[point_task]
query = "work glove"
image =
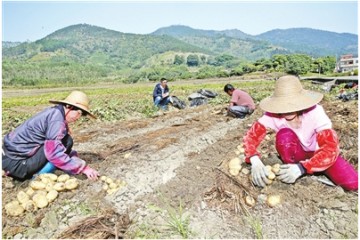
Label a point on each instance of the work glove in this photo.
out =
(290, 172)
(90, 173)
(259, 172)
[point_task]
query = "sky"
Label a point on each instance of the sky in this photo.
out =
(33, 20)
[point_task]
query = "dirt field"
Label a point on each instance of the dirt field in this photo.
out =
(175, 167)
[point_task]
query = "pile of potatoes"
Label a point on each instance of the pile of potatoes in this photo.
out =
(42, 191)
(235, 167)
(112, 185)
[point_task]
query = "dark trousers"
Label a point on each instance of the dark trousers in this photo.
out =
(25, 169)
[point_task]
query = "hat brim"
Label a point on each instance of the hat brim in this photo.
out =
(302, 101)
(75, 105)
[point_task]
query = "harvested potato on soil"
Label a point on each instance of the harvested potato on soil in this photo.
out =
(273, 200)
(22, 197)
(71, 184)
(103, 178)
(40, 200)
(52, 195)
(14, 208)
(245, 171)
(271, 176)
(250, 201)
(234, 166)
(29, 206)
(275, 168)
(37, 185)
(63, 178)
(60, 186)
(30, 192)
(51, 176)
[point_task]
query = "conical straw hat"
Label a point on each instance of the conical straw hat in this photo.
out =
(77, 99)
(289, 96)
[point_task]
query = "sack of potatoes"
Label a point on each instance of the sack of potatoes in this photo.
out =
(112, 185)
(43, 190)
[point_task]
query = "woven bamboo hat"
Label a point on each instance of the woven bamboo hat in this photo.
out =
(289, 96)
(77, 99)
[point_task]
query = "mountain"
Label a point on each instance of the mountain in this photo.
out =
(294, 40)
(181, 31)
(233, 42)
(313, 42)
(86, 53)
(95, 45)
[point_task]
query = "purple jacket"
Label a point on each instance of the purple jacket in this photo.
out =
(46, 128)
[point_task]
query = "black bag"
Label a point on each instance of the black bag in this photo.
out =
(176, 102)
(198, 102)
(207, 93)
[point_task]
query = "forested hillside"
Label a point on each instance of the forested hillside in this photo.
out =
(313, 42)
(81, 54)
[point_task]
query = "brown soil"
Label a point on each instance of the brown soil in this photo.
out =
(177, 163)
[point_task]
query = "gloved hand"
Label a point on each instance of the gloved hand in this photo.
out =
(290, 172)
(90, 173)
(259, 172)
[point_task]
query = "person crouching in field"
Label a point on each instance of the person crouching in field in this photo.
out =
(241, 103)
(43, 143)
(305, 139)
(161, 94)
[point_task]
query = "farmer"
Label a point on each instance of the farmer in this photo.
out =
(43, 143)
(161, 94)
(241, 103)
(305, 139)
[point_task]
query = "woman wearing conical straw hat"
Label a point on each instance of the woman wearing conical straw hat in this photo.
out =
(305, 139)
(43, 143)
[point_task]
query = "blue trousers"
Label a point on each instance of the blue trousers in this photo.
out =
(161, 102)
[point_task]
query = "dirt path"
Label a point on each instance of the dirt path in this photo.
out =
(171, 162)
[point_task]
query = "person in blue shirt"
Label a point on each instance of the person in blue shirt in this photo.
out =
(161, 95)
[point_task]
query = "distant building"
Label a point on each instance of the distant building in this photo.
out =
(347, 63)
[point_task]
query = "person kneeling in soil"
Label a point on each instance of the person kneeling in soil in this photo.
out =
(241, 102)
(305, 139)
(161, 94)
(43, 143)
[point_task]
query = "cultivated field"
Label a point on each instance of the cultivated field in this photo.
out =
(175, 168)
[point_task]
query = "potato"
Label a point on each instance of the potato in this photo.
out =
(49, 186)
(46, 180)
(245, 171)
(240, 148)
(234, 172)
(112, 185)
(235, 163)
(41, 192)
(63, 178)
(40, 200)
(59, 186)
(111, 191)
(22, 197)
(105, 187)
(271, 176)
(275, 168)
(14, 208)
(29, 206)
(37, 185)
(71, 184)
(234, 166)
(109, 180)
(273, 200)
(51, 176)
(103, 178)
(250, 201)
(268, 168)
(30, 192)
(52, 195)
